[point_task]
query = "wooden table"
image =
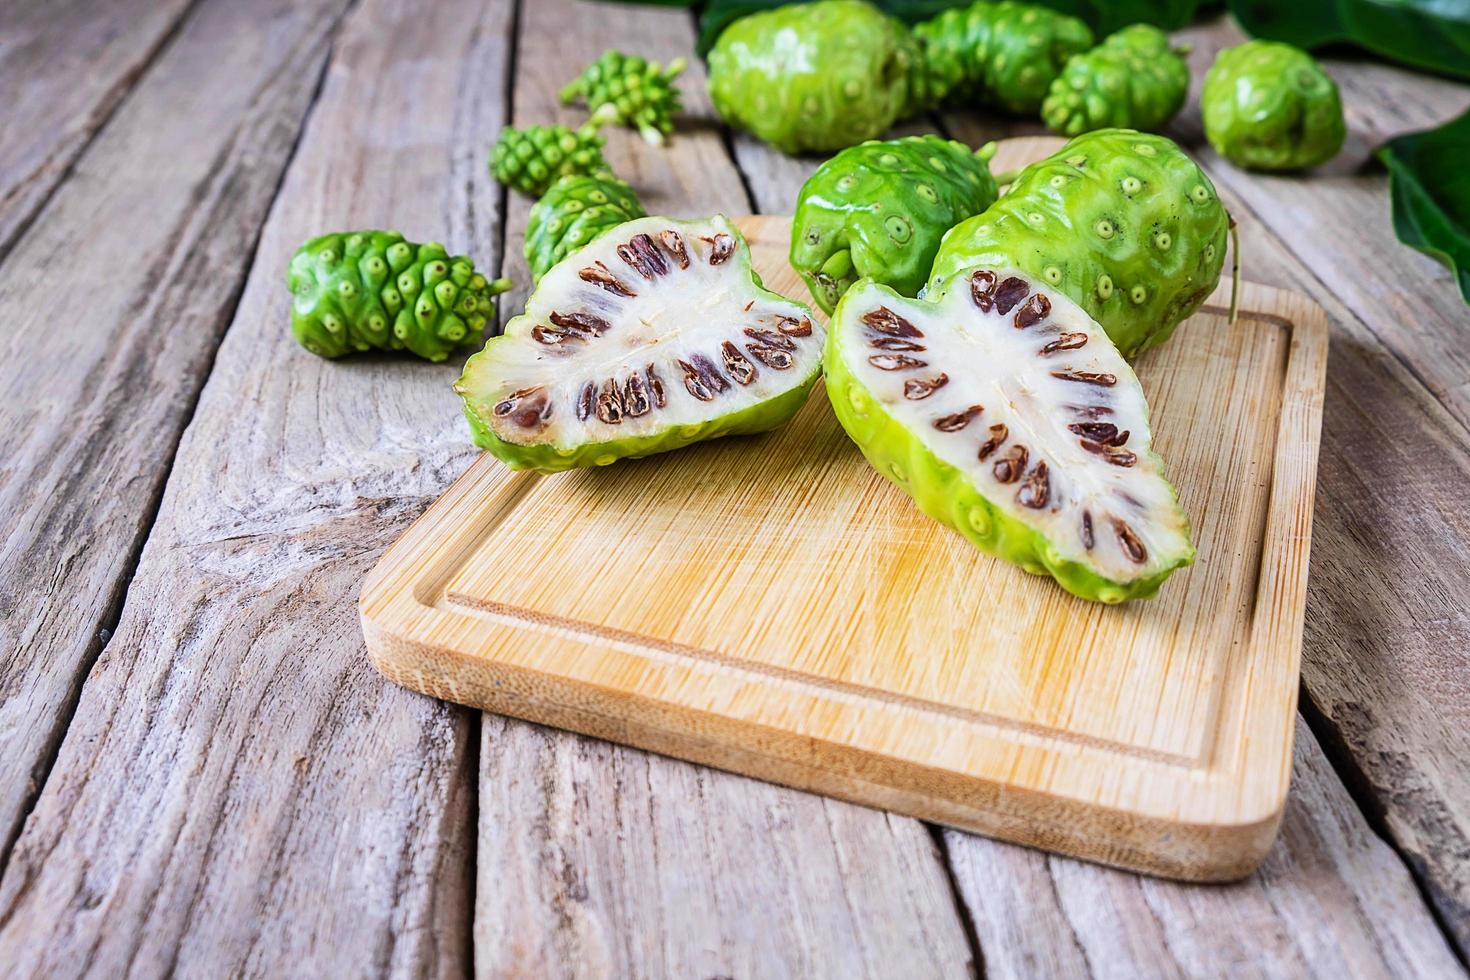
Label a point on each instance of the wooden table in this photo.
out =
(202, 774)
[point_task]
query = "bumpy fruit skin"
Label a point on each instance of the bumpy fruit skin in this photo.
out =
(546, 458)
(630, 91)
(818, 76)
(574, 211)
(531, 159)
(1004, 54)
(1123, 223)
(1270, 106)
(1133, 80)
(946, 494)
(354, 291)
(879, 210)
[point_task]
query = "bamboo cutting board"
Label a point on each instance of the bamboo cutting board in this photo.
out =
(771, 606)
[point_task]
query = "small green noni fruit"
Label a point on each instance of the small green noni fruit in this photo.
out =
(1007, 414)
(630, 91)
(1133, 80)
(816, 76)
(531, 159)
(1270, 106)
(879, 210)
(1003, 54)
(1124, 223)
(354, 291)
(573, 212)
(656, 335)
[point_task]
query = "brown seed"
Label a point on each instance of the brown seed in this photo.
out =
(1132, 546)
(508, 404)
(1091, 411)
(998, 434)
(644, 257)
(982, 290)
(895, 362)
(1035, 492)
(610, 403)
(581, 324)
(886, 321)
(700, 378)
(1104, 432)
(675, 245)
(1008, 468)
(917, 389)
(721, 247)
(957, 421)
(1118, 457)
(770, 356)
(546, 335)
(1032, 312)
(635, 396)
(792, 327)
(656, 387)
(1010, 292)
(770, 338)
(1067, 341)
(599, 276)
(1087, 539)
(1087, 377)
(894, 343)
(740, 369)
(709, 372)
(585, 399)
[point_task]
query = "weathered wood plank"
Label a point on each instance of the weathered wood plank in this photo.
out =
(1387, 641)
(113, 305)
(1331, 900)
(240, 794)
(599, 860)
(64, 67)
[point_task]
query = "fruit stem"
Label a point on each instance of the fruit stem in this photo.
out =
(675, 68)
(501, 285)
(652, 135)
(838, 264)
(1234, 272)
(1008, 177)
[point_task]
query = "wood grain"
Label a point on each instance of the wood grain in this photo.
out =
(574, 879)
(64, 67)
(113, 305)
(1331, 900)
(1155, 736)
(238, 793)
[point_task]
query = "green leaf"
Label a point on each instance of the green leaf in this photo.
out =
(1430, 186)
(1432, 35)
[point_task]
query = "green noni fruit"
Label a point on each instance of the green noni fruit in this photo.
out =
(1270, 106)
(355, 291)
(1133, 80)
(879, 210)
(817, 76)
(1003, 409)
(575, 210)
(656, 335)
(630, 91)
(531, 159)
(1123, 223)
(1002, 54)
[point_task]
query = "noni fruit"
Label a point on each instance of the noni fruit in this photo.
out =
(630, 91)
(531, 159)
(1270, 106)
(1002, 54)
(354, 291)
(1123, 223)
(656, 335)
(1003, 409)
(1133, 80)
(879, 209)
(817, 76)
(574, 211)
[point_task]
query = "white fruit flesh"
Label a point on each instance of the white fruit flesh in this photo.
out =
(1014, 385)
(661, 322)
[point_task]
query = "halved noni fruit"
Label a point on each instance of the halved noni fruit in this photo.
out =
(653, 336)
(1008, 414)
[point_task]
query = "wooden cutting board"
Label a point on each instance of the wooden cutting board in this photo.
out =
(771, 606)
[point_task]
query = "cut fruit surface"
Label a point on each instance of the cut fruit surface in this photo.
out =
(656, 335)
(1008, 414)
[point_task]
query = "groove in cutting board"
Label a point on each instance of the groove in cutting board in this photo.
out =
(770, 605)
